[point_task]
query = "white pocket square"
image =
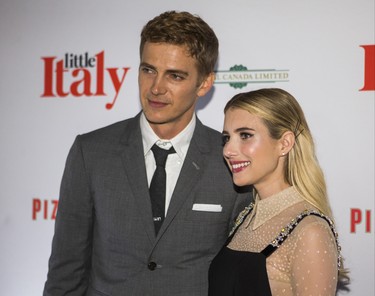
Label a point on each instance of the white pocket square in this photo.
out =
(207, 207)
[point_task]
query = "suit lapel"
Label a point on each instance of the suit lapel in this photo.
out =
(191, 171)
(134, 166)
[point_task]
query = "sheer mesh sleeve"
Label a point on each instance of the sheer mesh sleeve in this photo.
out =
(314, 262)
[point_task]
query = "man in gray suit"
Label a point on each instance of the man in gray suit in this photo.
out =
(107, 239)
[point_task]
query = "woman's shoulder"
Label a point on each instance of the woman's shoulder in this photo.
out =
(315, 229)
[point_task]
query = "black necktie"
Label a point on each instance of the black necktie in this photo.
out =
(158, 185)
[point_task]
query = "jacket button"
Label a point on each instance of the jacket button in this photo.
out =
(151, 265)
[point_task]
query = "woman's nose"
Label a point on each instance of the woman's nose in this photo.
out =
(228, 150)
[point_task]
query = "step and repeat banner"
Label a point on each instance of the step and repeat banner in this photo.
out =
(69, 67)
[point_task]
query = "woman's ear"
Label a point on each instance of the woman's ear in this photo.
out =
(287, 141)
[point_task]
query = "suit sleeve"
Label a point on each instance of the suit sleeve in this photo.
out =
(69, 263)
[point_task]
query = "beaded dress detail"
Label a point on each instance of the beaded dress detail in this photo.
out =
(269, 227)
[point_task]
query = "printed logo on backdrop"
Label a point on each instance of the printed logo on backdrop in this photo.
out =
(44, 209)
(82, 75)
(360, 220)
(239, 76)
(369, 67)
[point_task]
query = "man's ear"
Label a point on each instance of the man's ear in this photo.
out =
(206, 85)
(287, 141)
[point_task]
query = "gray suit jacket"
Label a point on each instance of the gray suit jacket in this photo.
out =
(104, 242)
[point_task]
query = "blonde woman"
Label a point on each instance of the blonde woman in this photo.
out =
(285, 243)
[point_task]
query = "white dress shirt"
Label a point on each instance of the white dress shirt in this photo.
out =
(174, 162)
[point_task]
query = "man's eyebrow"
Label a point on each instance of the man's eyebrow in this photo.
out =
(143, 64)
(168, 71)
(179, 72)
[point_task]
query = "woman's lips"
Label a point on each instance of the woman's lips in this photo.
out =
(238, 166)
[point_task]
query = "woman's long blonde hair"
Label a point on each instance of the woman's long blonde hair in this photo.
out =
(281, 112)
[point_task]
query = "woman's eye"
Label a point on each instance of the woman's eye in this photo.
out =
(246, 135)
(225, 139)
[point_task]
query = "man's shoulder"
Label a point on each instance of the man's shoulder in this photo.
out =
(212, 136)
(112, 130)
(211, 130)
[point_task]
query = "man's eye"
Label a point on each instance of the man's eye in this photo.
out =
(146, 70)
(177, 77)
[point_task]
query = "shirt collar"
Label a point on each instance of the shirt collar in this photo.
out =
(180, 142)
(266, 209)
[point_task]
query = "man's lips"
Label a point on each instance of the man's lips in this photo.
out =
(238, 166)
(157, 104)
